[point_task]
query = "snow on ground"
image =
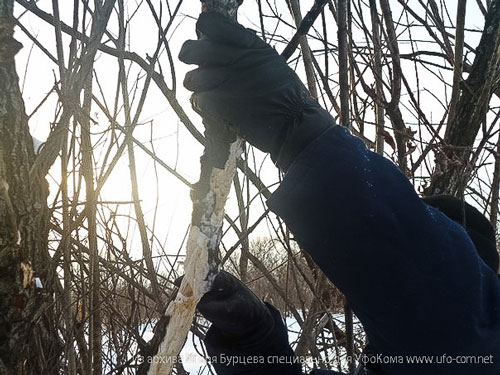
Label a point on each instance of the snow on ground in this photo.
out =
(195, 364)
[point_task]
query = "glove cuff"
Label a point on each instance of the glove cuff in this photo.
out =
(267, 341)
(306, 126)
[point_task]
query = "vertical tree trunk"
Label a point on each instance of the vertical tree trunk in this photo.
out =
(95, 336)
(243, 263)
(68, 298)
(202, 263)
(25, 346)
(453, 169)
(306, 50)
(343, 63)
(495, 186)
(377, 70)
(458, 61)
(393, 106)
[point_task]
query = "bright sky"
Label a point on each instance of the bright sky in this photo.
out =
(158, 122)
(165, 200)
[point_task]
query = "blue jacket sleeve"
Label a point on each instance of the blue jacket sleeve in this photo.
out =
(411, 274)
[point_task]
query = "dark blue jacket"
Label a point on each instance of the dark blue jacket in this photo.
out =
(412, 276)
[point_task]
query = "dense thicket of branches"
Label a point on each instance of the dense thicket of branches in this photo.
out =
(98, 82)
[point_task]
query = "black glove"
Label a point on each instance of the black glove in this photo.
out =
(233, 309)
(245, 330)
(243, 82)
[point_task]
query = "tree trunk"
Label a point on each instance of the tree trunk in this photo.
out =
(202, 258)
(27, 345)
(343, 63)
(377, 70)
(453, 167)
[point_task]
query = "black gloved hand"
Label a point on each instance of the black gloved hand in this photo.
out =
(233, 309)
(245, 330)
(243, 82)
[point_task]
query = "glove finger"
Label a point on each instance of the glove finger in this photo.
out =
(205, 79)
(220, 29)
(214, 303)
(224, 283)
(211, 309)
(226, 295)
(207, 53)
(232, 307)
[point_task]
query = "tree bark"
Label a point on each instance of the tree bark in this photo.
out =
(377, 70)
(495, 186)
(453, 168)
(458, 61)
(95, 321)
(26, 345)
(343, 63)
(393, 106)
(306, 50)
(202, 261)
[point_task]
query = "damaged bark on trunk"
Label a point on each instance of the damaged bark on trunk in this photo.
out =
(202, 261)
(28, 343)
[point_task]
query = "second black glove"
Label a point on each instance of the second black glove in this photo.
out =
(233, 309)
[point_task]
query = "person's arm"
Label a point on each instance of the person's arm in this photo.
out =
(412, 275)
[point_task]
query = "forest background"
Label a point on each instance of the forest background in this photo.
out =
(94, 210)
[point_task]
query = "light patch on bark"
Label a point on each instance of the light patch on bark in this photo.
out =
(27, 275)
(199, 269)
(203, 240)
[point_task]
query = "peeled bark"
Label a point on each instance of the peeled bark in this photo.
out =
(202, 264)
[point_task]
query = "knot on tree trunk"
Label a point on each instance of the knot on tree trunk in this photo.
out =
(9, 47)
